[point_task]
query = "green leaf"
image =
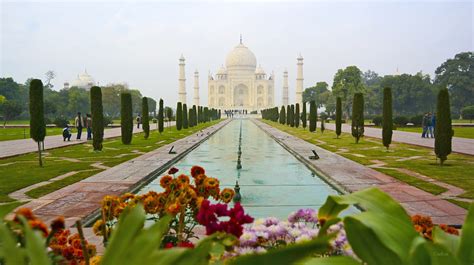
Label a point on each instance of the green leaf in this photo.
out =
(287, 255)
(466, 246)
(327, 224)
(368, 245)
(10, 253)
(338, 260)
(451, 242)
(34, 245)
(427, 253)
(332, 207)
(129, 225)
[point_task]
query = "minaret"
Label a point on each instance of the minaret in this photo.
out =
(299, 81)
(196, 88)
(284, 101)
(182, 81)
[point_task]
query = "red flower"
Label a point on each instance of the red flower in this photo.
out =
(186, 245)
(169, 245)
(173, 170)
(196, 171)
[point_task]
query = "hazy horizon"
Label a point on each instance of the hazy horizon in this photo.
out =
(140, 43)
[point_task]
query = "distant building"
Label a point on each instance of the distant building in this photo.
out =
(83, 80)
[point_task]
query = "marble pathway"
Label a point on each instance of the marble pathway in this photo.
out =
(350, 176)
(81, 200)
(459, 145)
(23, 146)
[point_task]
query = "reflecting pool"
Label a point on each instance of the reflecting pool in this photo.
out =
(273, 182)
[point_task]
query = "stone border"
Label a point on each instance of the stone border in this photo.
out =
(351, 176)
(81, 200)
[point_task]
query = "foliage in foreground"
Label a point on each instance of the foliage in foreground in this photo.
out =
(382, 234)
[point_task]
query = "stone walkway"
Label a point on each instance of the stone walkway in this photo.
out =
(460, 145)
(349, 176)
(23, 146)
(81, 200)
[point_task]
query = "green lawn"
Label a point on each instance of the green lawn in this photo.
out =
(7, 134)
(22, 171)
(464, 132)
(454, 172)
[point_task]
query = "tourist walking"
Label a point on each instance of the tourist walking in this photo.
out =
(429, 132)
(424, 125)
(139, 120)
(433, 125)
(89, 126)
(67, 133)
(79, 123)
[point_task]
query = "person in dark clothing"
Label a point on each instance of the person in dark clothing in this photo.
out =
(424, 125)
(79, 123)
(433, 125)
(89, 126)
(67, 133)
(139, 120)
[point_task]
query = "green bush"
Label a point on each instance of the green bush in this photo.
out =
(108, 121)
(468, 113)
(126, 117)
(357, 126)
(387, 128)
(292, 115)
(313, 116)
(179, 116)
(37, 122)
(443, 131)
(377, 120)
(417, 120)
(145, 118)
(303, 116)
(400, 121)
(338, 116)
(185, 116)
(282, 115)
(297, 115)
(97, 116)
(60, 122)
(161, 116)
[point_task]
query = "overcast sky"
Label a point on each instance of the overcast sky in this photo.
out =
(140, 43)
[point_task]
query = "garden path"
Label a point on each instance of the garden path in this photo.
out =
(459, 145)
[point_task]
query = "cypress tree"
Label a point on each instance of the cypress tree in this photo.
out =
(220, 116)
(443, 130)
(338, 116)
(185, 116)
(179, 116)
(191, 117)
(297, 115)
(161, 118)
(288, 114)
(357, 127)
(97, 113)
(37, 123)
(303, 115)
(145, 118)
(195, 115)
(387, 123)
(313, 116)
(126, 114)
(282, 115)
(292, 116)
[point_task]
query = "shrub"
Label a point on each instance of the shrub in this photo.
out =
(297, 115)
(185, 116)
(400, 121)
(387, 129)
(282, 115)
(37, 122)
(97, 116)
(126, 117)
(313, 116)
(357, 126)
(108, 121)
(60, 122)
(303, 115)
(443, 131)
(468, 113)
(179, 116)
(417, 120)
(161, 116)
(292, 115)
(145, 118)
(377, 120)
(338, 116)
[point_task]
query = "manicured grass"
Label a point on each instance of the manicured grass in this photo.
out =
(423, 161)
(462, 204)
(413, 181)
(464, 132)
(7, 134)
(22, 171)
(58, 184)
(6, 208)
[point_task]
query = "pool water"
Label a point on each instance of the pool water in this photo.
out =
(272, 181)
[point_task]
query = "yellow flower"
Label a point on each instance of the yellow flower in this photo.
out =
(98, 227)
(227, 195)
(211, 183)
(95, 260)
(151, 205)
(183, 179)
(165, 181)
(127, 196)
(174, 208)
(199, 180)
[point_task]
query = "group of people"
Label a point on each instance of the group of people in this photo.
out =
(230, 113)
(79, 122)
(428, 123)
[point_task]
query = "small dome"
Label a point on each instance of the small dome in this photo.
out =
(259, 71)
(222, 71)
(241, 57)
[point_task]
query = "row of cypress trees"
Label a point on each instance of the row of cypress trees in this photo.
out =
(197, 114)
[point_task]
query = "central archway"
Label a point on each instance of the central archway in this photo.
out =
(241, 96)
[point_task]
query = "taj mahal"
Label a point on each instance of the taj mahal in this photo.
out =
(241, 84)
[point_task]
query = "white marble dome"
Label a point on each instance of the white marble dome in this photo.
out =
(83, 80)
(259, 71)
(241, 57)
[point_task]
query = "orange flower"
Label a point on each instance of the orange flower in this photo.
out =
(151, 205)
(199, 201)
(57, 224)
(183, 180)
(449, 229)
(174, 208)
(127, 196)
(98, 227)
(196, 171)
(39, 225)
(227, 195)
(25, 212)
(211, 183)
(165, 181)
(199, 179)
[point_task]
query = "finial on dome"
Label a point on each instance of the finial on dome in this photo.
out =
(182, 57)
(241, 38)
